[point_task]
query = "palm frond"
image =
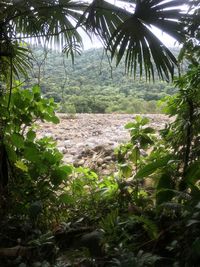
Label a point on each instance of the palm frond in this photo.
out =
(103, 18)
(128, 34)
(49, 21)
(21, 60)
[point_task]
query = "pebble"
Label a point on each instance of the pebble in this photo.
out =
(81, 162)
(100, 161)
(108, 158)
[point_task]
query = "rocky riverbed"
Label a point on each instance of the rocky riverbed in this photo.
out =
(89, 139)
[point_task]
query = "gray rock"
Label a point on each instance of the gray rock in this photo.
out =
(108, 158)
(81, 162)
(67, 142)
(100, 161)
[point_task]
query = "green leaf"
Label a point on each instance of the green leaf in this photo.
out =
(36, 89)
(21, 165)
(31, 154)
(17, 140)
(152, 167)
(66, 169)
(18, 101)
(31, 135)
(49, 157)
(129, 125)
(60, 174)
(126, 170)
(145, 140)
(55, 119)
(51, 118)
(11, 153)
(149, 130)
(28, 94)
(135, 154)
(141, 120)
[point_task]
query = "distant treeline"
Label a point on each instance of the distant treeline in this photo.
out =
(94, 85)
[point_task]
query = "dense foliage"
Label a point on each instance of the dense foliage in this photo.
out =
(93, 84)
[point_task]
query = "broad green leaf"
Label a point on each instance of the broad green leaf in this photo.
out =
(49, 157)
(145, 140)
(60, 174)
(18, 101)
(152, 167)
(138, 119)
(148, 130)
(129, 125)
(31, 135)
(11, 153)
(51, 118)
(126, 170)
(141, 120)
(55, 119)
(135, 154)
(31, 154)
(17, 140)
(144, 121)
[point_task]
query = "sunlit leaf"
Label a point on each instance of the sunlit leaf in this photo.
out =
(21, 165)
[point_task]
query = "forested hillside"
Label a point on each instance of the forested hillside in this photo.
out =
(94, 84)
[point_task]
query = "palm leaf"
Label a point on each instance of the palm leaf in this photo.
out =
(128, 34)
(103, 18)
(52, 21)
(20, 56)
